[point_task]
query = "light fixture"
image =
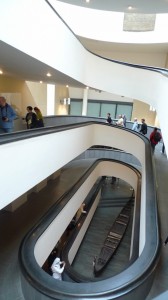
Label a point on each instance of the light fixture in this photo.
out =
(48, 74)
(1, 72)
(41, 82)
(67, 86)
(87, 1)
(129, 7)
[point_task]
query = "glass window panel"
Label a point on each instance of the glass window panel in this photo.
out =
(108, 108)
(93, 109)
(76, 107)
(124, 109)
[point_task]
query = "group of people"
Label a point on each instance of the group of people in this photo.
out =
(142, 129)
(155, 136)
(8, 114)
(121, 120)
(34, 119)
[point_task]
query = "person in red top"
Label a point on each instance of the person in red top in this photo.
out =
(155, 137)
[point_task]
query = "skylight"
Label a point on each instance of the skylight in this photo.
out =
(108, 26)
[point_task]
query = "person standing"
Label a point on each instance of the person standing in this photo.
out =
(109, 120)
(7, 115)
(155, 138)
(144, 127)
(163, 148)
(57, 268)
(124, 120)
(31, 118)
(120, 121)
(135, 125)
(40, 122)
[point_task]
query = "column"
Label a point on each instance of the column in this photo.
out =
(85, 101)
(50, 99)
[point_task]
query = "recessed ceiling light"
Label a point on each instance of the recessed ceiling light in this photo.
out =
(1, 72)
(130, 7)
(87, 1)
(41, 82)
(67, 85)
(48, 74)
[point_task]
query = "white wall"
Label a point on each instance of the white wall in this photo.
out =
(37, 158)
(97, 95)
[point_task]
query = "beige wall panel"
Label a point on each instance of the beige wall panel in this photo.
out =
(61, 92)
(142, 110)
(149, 58)
(36, 95)
(20, 94)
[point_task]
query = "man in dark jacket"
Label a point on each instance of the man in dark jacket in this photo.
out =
(109, 120)
(31, 118)
(144, 127)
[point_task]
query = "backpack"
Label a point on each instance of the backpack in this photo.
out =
(157, 136)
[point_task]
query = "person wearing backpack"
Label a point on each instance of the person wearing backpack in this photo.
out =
(155, 138)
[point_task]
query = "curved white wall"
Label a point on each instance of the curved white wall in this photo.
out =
(26, 163)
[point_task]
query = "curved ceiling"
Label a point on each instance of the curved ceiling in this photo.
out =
(111, 31)
(139, 6)
(19, 65)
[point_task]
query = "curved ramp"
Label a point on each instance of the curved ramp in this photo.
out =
(136, 279)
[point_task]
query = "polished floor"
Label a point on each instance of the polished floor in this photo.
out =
(13, 227)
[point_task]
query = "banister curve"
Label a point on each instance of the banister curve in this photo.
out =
(137, 278)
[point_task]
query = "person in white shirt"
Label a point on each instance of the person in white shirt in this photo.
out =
(135, 125)
(57, 268)
(120, 121)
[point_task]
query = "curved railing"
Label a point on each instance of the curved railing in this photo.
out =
(136, 279)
